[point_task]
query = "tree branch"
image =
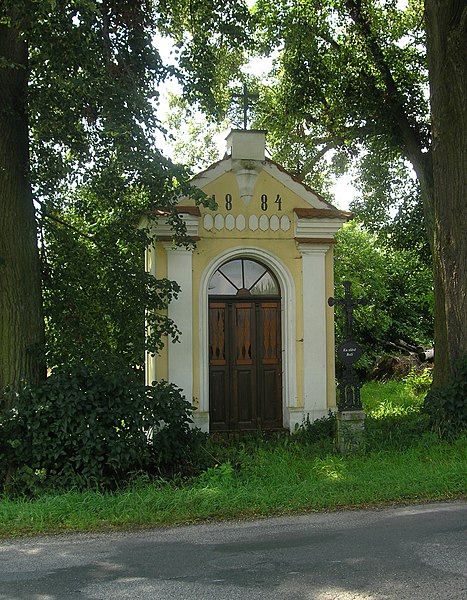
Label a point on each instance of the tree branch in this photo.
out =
(47, 215)
(308, 166)
(410, 134)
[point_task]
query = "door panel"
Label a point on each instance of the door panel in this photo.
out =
(218, 367)
(243, 414)
(270, 367)
(219, 390)
(242, 366)
(245, 364)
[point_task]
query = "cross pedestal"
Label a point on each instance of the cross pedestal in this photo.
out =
(350, 430)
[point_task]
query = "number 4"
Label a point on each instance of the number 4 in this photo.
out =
(278, 201)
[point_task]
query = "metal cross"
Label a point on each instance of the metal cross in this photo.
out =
(348, 353)
(245, 97)
(349, 303)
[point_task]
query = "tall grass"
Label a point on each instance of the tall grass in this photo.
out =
(394, 418)
(402, 462)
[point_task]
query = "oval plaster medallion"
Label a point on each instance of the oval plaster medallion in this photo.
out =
(208, 222)
(264, 222)
(229, 222)
(274, 223)
(285, 223)
(219, 222)
(253, 223)
(241, 222)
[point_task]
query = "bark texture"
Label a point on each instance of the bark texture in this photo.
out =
(446, 23)
(21, 322)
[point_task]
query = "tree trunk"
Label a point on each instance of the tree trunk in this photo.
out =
(21, 322)
(446, 22)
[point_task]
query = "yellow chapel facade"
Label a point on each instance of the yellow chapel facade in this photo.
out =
(256, 350)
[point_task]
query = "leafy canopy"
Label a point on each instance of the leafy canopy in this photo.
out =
(95, 163)
(348, 91)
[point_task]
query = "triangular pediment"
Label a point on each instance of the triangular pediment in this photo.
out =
(267, 168)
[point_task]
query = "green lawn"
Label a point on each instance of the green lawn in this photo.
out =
(403, 462)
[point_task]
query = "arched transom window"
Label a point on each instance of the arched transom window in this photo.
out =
(243, 277)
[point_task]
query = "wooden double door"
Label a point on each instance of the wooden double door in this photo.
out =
(245, 367)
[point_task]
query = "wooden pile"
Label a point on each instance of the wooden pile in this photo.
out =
(401, 361)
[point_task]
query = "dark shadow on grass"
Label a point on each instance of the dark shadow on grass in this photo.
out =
(396, 432)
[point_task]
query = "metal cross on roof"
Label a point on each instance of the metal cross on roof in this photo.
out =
(245, 97)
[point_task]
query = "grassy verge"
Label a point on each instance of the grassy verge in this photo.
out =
(260, 478)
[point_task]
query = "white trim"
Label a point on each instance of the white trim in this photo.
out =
(314, 329)
(150, 359)
(286, 283)
(317, 228)
(164, 228)
(180, 354)
(295, 186)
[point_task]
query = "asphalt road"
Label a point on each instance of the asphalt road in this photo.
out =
(415, 552)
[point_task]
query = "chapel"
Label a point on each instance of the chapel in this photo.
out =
(256, 350)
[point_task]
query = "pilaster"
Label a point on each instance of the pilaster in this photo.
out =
(314, 329)
(180, 354)
(150, 363)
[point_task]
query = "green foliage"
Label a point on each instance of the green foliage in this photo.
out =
(419, 381)
(98, 300)
(399, 307)
(447, 406)
(319, 430)
(264, 475)
(95, 80)
(389, 201)
(394, 419)
(194, 134)
(84, 428)
(94, 75)
(272, 483)
(396, 432)
(210, 40)
(347, 94)
(218, 475)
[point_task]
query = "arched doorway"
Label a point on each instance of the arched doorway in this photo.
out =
(245, 367)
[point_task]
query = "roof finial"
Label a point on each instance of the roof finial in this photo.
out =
(245, 97)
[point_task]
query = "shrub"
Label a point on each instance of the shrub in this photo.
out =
(85, 428)
(447, 406)
(419, 381)
(320, 430)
